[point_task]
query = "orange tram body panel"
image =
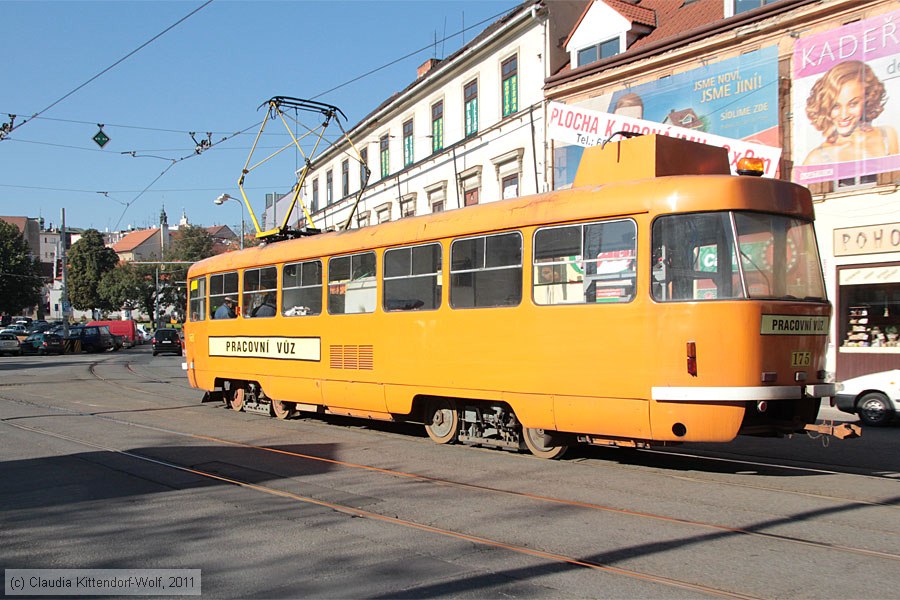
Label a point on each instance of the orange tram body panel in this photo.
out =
(660, 300)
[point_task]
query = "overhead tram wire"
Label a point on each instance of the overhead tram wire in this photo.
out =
(115, 64)
(411, 54)
(174, 162)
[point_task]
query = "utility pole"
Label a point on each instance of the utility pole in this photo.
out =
(64, 295)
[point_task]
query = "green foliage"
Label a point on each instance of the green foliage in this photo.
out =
(130, 286)
(88, 261)
(192, 244)
(20, 275)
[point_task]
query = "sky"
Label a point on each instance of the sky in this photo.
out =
(208, 74)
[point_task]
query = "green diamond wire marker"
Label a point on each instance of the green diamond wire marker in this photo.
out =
(101, 138)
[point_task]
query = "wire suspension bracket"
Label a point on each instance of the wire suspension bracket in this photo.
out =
(276, 107)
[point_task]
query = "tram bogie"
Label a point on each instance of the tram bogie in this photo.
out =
(637, 310)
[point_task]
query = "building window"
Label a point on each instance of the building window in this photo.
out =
(437, 127)
(383, 213)
(363, 219)
(363, 166)
(856, 182)
(301, 285)
(385, 146)
(412, 278)
(408, 154)
(329, 187)
(345, 178)
(198, 299)
(585, 264)
(315, 195)
(510, 186)
(470, 197)
(486, 271)
(408, 206)
(742, 6)
(437, 196)
(597, 52)
(351, 284)
(470, 99)
(222, 287)
(509, 73)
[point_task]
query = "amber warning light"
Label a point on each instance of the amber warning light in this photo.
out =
(692, 358)
(751, 166)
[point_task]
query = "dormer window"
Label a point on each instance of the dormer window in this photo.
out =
(592, 54)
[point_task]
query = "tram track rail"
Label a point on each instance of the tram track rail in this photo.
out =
(362, 513)
(708, 526)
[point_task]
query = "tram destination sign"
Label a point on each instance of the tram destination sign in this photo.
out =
(279, 348)
(793, 325)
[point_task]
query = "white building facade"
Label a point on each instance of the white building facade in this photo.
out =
(469, 130)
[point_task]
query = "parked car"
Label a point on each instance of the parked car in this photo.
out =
(93, 339)
(16, 328)
(9, 343)
(166, 340)
(118, 342)
(875, 397)
(43, 343)
(144, 335)
(125, 328)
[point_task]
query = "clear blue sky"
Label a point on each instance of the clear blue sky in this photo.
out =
(208, 74)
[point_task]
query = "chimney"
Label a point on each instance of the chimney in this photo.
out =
(426, 66)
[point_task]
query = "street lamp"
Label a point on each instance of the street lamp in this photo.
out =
(221, 200)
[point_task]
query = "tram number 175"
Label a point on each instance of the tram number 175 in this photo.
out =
(801, 359)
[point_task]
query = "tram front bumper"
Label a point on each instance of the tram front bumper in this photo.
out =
(743, 393)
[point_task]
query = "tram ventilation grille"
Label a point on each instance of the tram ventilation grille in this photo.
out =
(360, 358)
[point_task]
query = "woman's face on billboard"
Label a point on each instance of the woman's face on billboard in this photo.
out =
(846, 112)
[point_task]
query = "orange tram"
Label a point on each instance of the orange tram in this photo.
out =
(660, 300)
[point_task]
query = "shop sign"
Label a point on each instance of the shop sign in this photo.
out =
(852, 69)
(871, 239)
(869, 276)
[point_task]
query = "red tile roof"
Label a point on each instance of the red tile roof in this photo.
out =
(17, 221)
(675, 17)
(134, 239)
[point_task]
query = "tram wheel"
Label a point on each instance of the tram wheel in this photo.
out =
(237, 398)
(441, 420)
(281, 409)
(535, 440)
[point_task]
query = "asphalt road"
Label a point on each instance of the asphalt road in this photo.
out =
(111, 461)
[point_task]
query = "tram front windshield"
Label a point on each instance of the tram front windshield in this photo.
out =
(735, 255)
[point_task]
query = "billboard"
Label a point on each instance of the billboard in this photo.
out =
(846, 101)
(721, 103)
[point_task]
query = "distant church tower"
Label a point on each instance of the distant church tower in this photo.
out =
(163, 232)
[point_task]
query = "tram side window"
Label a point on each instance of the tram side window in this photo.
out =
(301, 285)
(351, 284)
(197, 302)
(222, 287)
(412, 278)
(486, 271)
(694, 258)
(260, 290)
(585, 264)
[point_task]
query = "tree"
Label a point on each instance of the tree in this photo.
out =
(192, 244)
(88, 260)
(130, 286)
(20, 274)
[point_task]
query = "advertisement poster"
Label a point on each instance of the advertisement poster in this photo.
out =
(846, 101)
(721, 103)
